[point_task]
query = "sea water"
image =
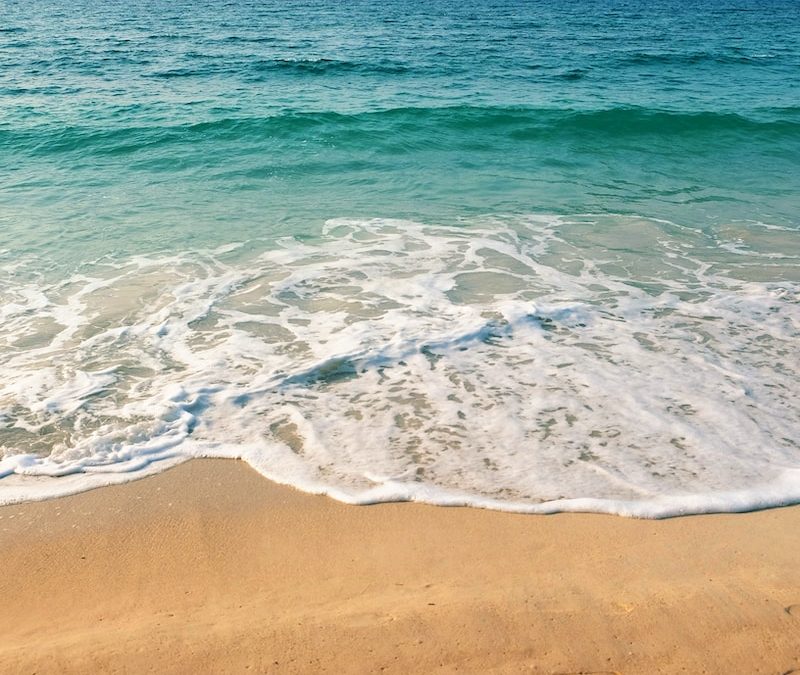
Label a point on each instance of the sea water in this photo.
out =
(529, 256)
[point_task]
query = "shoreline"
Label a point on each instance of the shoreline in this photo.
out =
(210, 566)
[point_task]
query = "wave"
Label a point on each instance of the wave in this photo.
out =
(433, 126)
(531, 364)
(693, 58)
(259, 69)
(324, 66)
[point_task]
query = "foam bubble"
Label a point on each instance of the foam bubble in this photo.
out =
(532, 364)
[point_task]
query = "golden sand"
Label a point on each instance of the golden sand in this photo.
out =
(208, 567)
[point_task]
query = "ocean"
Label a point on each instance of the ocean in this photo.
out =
(530, 256)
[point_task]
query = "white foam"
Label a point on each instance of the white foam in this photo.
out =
(533, 364)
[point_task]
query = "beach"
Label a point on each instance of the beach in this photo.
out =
(405, 337)
(208, 567)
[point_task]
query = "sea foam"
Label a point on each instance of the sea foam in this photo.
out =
(532, 364)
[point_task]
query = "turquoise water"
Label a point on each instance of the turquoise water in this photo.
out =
(229, 229)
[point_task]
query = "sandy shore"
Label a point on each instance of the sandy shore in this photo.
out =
(210, 568)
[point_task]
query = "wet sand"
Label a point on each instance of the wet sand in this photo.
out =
(209, 567)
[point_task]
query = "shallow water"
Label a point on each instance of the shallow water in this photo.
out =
(535, 258)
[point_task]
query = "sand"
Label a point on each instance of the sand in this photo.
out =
(209, 567)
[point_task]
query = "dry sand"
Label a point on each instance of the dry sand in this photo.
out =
(210, 568)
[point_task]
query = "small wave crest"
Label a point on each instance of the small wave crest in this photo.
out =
(431, 127)
(208, 66)
(688, 58)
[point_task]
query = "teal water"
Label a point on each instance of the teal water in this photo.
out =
(626, 170)
(162, 125)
